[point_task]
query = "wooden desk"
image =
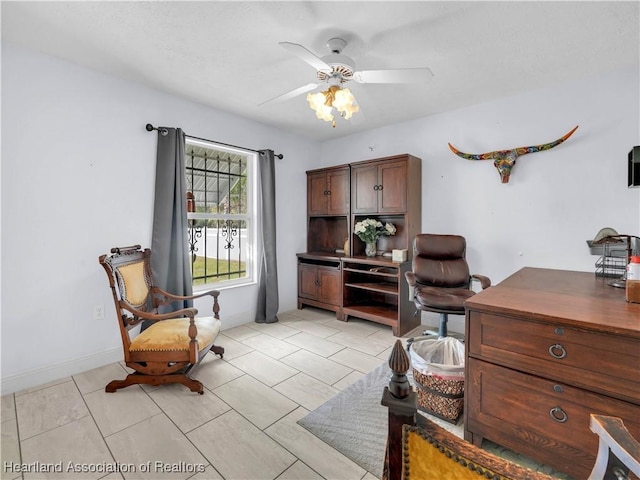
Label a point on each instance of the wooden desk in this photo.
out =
(545, 348)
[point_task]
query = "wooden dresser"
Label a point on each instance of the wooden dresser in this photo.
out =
(545, 348)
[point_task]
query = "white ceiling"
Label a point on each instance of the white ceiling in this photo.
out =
(226, 54)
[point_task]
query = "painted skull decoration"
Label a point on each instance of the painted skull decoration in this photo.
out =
(504, 160)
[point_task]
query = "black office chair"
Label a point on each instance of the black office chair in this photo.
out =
(440, 276)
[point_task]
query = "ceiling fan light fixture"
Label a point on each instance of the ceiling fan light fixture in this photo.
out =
(345, 103)
(334, 97)
(318, 103)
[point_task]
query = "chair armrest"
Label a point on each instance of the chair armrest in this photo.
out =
(485, 282)
(213, 293)
(167, 298)
(411, 278)
(159, 291)
(183, 312)
(615, 438)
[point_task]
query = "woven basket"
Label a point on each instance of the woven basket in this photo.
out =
(439, 397)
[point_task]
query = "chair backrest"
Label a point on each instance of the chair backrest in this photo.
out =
(129, 272)
(439, 260)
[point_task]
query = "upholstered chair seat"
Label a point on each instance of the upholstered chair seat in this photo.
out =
(171, 335)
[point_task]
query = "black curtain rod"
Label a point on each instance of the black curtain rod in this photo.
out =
(163, 131)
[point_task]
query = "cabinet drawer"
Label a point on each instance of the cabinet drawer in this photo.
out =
(546, 420)
(596, 361)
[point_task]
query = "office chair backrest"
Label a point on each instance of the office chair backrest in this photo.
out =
(439, 260)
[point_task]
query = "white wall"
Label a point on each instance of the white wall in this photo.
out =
(554, 201)
(77, 179)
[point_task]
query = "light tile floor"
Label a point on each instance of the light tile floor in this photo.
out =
(243, 427)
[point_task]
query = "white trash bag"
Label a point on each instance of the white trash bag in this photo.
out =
(442, 357)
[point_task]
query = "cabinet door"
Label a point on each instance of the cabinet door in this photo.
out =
(338, 188)
(329, 290)
(364, 189)
(317, 193)
(308, 281)
(392, 177)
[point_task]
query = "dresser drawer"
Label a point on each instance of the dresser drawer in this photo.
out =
(600, 362)
(545, 420)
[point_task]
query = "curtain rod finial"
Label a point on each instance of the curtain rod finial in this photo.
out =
(149, 127)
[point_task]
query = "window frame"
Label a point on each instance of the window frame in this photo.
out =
(250, 218)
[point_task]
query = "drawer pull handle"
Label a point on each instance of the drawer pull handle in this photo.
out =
(559, 331)
(558, 414)
(557, 351)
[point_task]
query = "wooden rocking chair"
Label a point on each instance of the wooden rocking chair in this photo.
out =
(167, 350)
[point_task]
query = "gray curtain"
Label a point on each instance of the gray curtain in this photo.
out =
(170, 257)
(268, 286)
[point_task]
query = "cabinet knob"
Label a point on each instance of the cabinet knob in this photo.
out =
(559, 331)
(379, 187)
(557, 351)
(558, 414)
(376, 187)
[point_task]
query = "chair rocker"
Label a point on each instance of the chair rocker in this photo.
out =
(173, 343)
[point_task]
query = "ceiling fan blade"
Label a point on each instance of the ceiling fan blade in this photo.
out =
(399, 75)
(293, 93)
(307, 56)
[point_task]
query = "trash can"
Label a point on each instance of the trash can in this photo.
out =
(438, 371)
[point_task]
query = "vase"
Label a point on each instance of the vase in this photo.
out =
(370, 249)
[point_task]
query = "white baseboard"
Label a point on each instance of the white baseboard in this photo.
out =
(54, 372)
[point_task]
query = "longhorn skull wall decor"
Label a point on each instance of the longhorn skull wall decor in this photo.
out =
(504, 160)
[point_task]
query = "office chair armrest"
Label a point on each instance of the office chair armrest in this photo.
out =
(411, 278)
(485, 282)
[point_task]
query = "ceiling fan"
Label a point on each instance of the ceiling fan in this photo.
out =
(335, 70)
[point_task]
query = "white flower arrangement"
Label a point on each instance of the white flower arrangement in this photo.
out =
(370, 229)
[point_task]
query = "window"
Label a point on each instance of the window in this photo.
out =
(221, 196)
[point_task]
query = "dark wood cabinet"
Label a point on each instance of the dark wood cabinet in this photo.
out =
(319, 282)
(385, 185)
(379, 187)
(328, 191)
(544, 350)
(388, 189)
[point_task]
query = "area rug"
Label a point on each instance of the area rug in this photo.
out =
(354, 422)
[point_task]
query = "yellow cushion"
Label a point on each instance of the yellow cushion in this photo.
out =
(430, 458)
(173, 335)
(135, 287)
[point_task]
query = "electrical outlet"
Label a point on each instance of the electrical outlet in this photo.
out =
(98, 312)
